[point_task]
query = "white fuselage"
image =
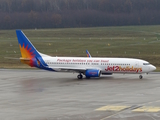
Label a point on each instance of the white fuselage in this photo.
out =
(105, 65)
(88, 66)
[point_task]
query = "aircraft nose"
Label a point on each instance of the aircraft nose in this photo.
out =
(152, 68)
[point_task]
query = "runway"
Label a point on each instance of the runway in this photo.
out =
(42, 95)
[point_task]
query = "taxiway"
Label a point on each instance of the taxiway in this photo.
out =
(42, 95)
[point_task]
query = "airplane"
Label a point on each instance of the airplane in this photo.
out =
(84, 66)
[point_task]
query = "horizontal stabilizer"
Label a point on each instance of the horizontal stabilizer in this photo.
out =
(11, 58)
(26, 59)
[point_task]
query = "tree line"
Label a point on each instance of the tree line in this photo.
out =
(18, 14)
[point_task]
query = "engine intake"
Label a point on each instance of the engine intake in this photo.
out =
(92, 73)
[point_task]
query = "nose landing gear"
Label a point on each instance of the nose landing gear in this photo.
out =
(140, 76)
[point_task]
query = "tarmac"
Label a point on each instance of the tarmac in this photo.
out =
(43, 95)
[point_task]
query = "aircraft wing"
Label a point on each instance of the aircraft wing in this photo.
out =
(68, 69)
(71, 69)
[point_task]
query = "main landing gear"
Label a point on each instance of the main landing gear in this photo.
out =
(140, 76)
(80, 76)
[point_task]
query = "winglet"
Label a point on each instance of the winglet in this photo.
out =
(88, 54)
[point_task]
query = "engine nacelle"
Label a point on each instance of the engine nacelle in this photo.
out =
(92, 73)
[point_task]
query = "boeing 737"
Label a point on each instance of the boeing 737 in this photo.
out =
(84, 66)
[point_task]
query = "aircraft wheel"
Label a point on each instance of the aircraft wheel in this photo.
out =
(79, 76)
(140, 76)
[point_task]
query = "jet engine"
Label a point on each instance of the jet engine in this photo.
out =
(92, 73)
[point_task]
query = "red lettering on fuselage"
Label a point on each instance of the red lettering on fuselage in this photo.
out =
(123, 69)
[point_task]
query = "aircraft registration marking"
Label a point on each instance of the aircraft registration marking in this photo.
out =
(112, 108)
(147, 109)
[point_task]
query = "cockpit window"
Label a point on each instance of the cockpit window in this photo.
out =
(146, 64)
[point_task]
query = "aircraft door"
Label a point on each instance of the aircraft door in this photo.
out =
(137, 64)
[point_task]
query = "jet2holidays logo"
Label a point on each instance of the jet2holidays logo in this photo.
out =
(125, 69)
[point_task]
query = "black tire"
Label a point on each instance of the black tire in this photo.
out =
(79, 76)
(140, 77)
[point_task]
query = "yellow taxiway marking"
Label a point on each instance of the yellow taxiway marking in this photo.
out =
(147, 109)
(112, 108)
